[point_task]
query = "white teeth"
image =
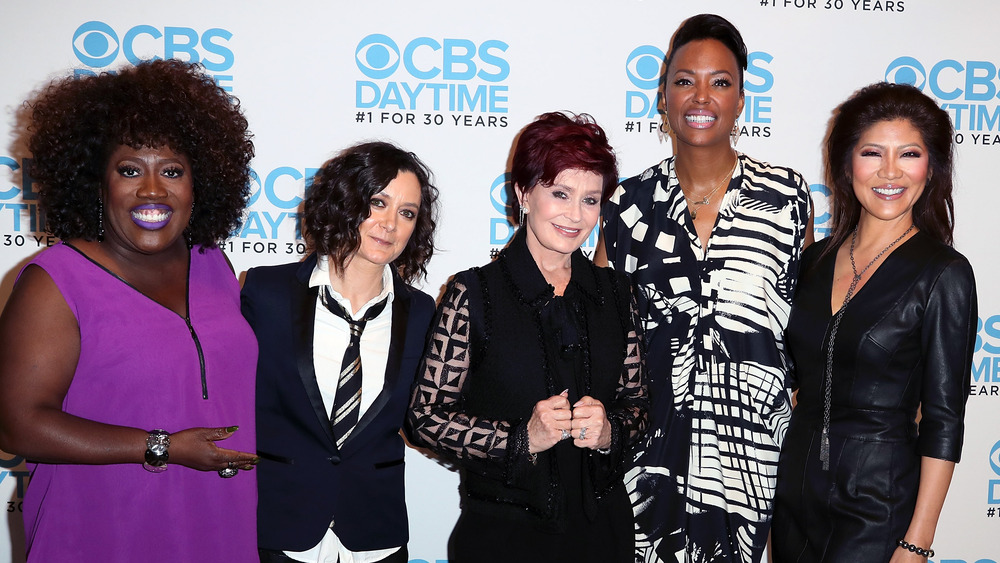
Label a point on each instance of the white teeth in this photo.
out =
(888, 191)
(151, 216)
(699, 118)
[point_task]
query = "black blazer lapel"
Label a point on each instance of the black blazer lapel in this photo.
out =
(397, 342)
(303, 308)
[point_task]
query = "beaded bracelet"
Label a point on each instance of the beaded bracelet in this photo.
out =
(914, 549)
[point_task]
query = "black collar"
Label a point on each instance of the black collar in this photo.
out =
(530, 286)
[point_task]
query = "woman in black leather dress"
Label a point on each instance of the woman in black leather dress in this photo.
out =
(859, 479)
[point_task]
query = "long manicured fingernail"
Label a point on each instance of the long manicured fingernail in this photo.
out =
(232, 429)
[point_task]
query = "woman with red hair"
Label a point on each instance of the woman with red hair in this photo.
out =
(533, 378)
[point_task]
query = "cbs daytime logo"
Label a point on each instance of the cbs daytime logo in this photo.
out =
(968, 91)
(820, 195)
(428, 74)
(986, 359)
(21, 220)
(501, 230)
(994, 484)
(98, 46)
(644, 66)
(13, 477)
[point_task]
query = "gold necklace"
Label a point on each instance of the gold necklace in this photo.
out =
(697, 203)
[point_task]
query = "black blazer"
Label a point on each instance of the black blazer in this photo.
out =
(305, 484)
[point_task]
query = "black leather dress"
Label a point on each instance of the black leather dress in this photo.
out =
(905, 343)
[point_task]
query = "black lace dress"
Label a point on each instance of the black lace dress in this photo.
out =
(503, 341)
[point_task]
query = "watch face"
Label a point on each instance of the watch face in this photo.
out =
(156, 448)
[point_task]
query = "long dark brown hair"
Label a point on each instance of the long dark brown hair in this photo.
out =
(934, 211)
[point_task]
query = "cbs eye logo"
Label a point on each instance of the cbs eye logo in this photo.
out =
(10, 462)
(906, 70)
(377, 56)
(499, 194)
(96, 44)
(643, 67)
(821, 203)
(995, 458)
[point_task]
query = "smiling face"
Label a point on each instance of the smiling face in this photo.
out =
(560, 217)
(147, 199)
(385, 233)
(890, 167)
(703, 94)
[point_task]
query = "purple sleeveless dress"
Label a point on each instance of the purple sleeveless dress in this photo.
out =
(139, 367)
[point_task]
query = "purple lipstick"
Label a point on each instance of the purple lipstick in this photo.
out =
(152, 216)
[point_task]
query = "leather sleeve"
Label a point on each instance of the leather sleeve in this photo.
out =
(948, 337)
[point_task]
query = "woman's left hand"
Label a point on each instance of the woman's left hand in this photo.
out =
(590, 425)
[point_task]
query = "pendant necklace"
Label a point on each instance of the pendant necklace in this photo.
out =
(696, 204)
(824, 446)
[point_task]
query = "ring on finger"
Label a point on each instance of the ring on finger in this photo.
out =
(583, 433)
(565, 435)
(228, 472)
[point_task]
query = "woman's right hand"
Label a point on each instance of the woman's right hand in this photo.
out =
(195, 448)
(549, 419)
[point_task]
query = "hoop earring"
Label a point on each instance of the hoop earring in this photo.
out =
(734, 136)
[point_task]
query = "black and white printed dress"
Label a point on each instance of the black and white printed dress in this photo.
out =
(702, 482)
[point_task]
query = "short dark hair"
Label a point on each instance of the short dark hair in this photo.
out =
(934, 212)
(76, 123)
(339, 200)
(555, 142)
(708, 26)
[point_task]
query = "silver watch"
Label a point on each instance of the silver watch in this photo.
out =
(156, 451)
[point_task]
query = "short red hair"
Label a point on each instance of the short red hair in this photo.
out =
(555, 142)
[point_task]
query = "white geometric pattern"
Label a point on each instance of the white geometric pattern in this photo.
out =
(714, 332)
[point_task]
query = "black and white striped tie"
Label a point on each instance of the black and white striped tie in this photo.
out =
(347, 404)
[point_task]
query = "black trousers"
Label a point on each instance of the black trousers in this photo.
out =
(272, 556)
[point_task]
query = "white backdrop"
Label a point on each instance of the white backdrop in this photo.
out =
(455, 81)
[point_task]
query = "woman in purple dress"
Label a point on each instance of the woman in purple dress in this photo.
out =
(126, 362)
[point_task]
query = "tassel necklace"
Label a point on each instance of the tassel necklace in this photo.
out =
(824, 447)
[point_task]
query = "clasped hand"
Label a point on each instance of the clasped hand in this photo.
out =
(554, 419)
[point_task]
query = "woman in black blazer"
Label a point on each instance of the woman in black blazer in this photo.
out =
(340, 336)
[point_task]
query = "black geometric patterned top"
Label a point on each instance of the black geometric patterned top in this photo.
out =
(703, 483)
(501, 342)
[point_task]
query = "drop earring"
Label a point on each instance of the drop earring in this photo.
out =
(187, 231)
(734, 136)
(100, 220)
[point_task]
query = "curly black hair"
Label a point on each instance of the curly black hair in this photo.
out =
(339, 200)
(77, 122)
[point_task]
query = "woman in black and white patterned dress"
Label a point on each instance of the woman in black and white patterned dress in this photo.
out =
(712, 239)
